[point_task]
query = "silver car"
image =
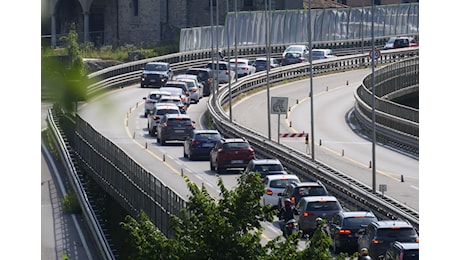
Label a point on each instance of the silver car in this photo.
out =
(195, 88)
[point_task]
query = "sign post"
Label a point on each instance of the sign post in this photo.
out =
(279, 105)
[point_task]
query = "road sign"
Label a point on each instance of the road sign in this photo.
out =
(374, 54)
(279, 105)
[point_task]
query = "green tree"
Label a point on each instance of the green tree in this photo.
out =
(225, 228)
(64, 79)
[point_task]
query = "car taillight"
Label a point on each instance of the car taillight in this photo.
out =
(155, 118)
(375, 241)
(269, 192)
(187, 93)
(344, 232)
(292, 200)
(196, 142)
(306, 214)
(292, 224)
(165, 124)
(245, 68)
(227, 72)
(194, 89)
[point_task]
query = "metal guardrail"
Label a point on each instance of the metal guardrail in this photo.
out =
(128, 74)
(102, 244)
(347, 189)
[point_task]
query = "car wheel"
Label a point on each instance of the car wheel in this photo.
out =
(151, 132)
(145, 114)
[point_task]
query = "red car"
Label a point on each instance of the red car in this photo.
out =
(233, 153)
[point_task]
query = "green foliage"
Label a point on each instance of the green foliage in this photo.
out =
(70, 203)
(225, 228)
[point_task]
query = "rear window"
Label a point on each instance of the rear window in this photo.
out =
(179, 121)
(397, 233)
(310, 191)
(207, 136)
(268, 167)
(323, 205)
(357, 221)
(281, 183)
(167, 111)
(260, 62)
(236, 145)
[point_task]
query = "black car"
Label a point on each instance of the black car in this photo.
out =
(204, 76)
(378, 236)
(156, 74)
(343, 229)
(174, 127)
(200, 142)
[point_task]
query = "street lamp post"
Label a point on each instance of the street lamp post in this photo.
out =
(267, 52)
(373, 103)
(311, 84)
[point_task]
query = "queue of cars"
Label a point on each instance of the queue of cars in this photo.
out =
(350, 231)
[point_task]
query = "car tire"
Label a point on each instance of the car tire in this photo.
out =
(151, 133)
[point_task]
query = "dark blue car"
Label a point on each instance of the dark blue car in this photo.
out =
(200, 142)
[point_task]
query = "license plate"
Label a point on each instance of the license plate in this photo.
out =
(208, 145)
(179, 131)
(153, 80)
(236, 161)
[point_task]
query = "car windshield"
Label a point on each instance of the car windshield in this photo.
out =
(236, 145)
(357, 222)
(323, 205)
(155, 67)
(260, 63)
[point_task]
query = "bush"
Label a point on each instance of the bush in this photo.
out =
(70, 203)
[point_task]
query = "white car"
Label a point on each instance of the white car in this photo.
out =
(275, 184)
(244, 67)
(194, 86)
(319, 54)
(223, 71)
(153, 98)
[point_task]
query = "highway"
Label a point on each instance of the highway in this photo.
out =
(118, 116)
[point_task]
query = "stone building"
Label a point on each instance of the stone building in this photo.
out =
(149, 22)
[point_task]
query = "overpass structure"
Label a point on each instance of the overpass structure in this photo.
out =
(137, 189)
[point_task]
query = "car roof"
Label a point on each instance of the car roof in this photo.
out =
(391, 223)
(166, 106)
(183, 116)
(281, 176)
(307, 183)
(158, 62)
(266, 161)
(228, 140)
(205, 131)
(347, 214)
(199, 69)
(318, 198)
(407, 245)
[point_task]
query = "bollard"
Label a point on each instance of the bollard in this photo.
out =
(289, 109)
(134, 135)
(290, 123)
(145, 145)
(402, 178)
(327, 88)
(297, 101)
(319, 142)
(181, 172)
(343, 152)
(370, 164)
(347, 82)
(164, 158)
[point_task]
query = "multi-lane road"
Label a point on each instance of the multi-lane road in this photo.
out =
(119, 117)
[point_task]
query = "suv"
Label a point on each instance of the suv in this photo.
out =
(223, 71)
(265, 167)
(295, 191)
(344, 227)
(275, 184)
(378, 236)
(402, 251)
(156, 74)
(204, 76)
(174, 127)
(310, 208)
(230, 153)
(152, 98)
(159, 110)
